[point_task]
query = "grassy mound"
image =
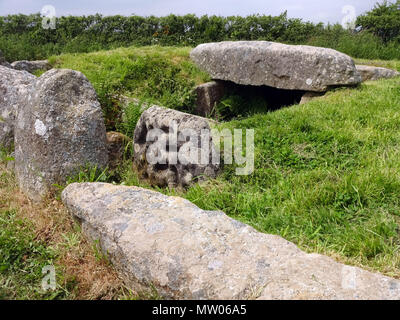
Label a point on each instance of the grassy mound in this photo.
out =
(326, 173)
(327, 176)
(154, 74)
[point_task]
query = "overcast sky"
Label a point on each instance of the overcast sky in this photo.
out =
(310, 10)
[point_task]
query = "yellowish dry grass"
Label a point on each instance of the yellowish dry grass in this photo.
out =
(94, 277)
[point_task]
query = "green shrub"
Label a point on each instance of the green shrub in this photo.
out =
(22, 36)
(383, 21)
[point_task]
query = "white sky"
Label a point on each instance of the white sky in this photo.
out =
(309, 10)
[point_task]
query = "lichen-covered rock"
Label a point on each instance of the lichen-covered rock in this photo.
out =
(116, 143)
(276, 65)
(189, 253)
(13, 89)
(31, 66)
(59, 130)
(172, 148)
(376, 73)
(208, 96)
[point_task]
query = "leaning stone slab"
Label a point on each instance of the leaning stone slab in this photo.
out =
(169, 145)
(189, 253)
(370, 73)
(59, 130)
(31, 66)
(276, 65)
(13, 88)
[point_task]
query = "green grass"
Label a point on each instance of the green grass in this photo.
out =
(21, 261)
(327, 176)
(153, 74)
(326, 173)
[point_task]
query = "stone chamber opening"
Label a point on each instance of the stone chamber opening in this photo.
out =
(224, 100)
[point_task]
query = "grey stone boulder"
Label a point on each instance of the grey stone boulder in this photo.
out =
(31, 66)
(189, 253)
(171, 150)
(59, 129)
(370, 73)
(276, 65)
(207, 96)
(13, 88)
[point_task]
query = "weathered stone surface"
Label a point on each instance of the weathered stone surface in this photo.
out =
(179, 135)
(13, 89)
(116, 143)
(309, 96)
(59, 129)
(208, 95)
(189, 253)
(376, 73)
(31, 66)
(276, 65)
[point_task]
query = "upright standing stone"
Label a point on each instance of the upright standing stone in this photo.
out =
(59, 130)
(208, 96)
(13, 88)
(276, 65)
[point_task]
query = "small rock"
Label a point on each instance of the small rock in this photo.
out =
(369, 73)
(208, 95)
(309, 96)
(276, 65)
(13, 88)
(116, 143)
(3, 61)
(189, 253)
(175, 149)
(31, 66)
(59, 130)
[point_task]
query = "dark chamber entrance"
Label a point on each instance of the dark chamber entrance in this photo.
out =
(275, 98)
(244, 100)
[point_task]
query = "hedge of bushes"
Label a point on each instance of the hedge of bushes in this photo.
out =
(23, 37)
